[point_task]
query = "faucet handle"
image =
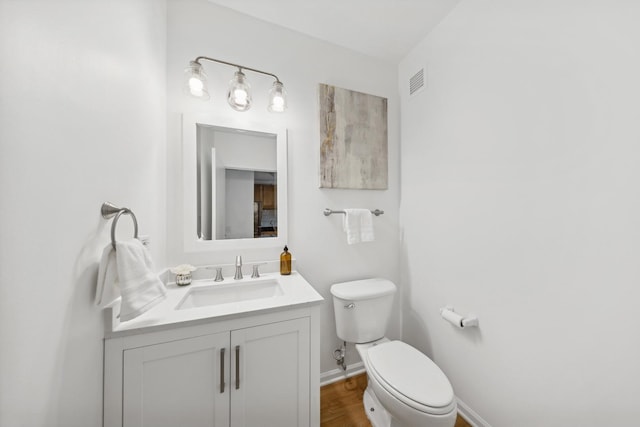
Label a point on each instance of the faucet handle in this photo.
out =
(255, 273)
(219, 277)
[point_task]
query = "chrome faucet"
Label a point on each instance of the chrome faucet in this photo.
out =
(238, 274)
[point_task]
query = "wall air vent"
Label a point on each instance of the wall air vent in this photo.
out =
(416, 83)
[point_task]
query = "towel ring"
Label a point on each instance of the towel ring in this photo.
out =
(109, 210)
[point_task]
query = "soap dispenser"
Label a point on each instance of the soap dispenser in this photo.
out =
(285, 262)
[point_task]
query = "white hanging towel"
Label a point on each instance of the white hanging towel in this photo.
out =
(128, 273)
(140, 287)
(358, 225)
(107, 290)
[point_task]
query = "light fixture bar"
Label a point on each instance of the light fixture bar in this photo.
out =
(239, 93)
(241, 67)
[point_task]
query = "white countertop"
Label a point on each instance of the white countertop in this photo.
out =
(296, 292)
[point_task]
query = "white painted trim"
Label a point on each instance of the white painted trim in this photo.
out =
(470, 415)
(338, 374)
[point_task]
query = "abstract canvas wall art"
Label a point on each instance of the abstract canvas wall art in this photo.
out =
(353, 135)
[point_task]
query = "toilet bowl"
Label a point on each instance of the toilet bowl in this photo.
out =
(405, 387)
(408, 385)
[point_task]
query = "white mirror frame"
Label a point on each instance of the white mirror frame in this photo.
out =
(189, 187)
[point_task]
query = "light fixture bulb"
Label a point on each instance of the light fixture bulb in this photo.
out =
(277, 98)
(196, 86)
(239, 95)
(195, 81)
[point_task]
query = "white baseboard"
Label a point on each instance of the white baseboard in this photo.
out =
(338, 374)
(470, 415)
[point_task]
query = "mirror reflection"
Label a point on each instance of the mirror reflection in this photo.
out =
(236, 183)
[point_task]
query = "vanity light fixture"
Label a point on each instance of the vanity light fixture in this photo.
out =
(239, 94)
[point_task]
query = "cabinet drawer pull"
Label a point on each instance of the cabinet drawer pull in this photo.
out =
(237, 367)
(222, 370)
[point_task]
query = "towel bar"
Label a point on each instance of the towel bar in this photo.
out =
(327, 212)
(109, 210)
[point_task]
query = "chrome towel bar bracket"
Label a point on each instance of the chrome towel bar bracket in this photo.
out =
(109, 210)
(327, 212)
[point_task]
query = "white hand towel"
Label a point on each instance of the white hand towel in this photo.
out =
(107, 289)
(366, 226)
(351, 225)
(358, 225)
(140, 287)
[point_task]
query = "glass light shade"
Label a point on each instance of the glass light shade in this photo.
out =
(195, 81)
(277, 98)
(239, 95)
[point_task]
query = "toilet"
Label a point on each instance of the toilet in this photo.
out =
(405, 387)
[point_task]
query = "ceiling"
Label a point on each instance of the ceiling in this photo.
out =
(385, 29)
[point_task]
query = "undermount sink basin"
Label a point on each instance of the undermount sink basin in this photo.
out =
(230, 293)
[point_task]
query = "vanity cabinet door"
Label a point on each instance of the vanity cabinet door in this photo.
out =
(177, 383)
(270, 375)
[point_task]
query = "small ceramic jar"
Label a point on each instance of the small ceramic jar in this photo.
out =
(183, 274)
(183, 279)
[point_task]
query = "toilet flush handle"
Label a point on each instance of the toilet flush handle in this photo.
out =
(350, 306)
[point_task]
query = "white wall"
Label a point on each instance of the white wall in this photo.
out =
(246, 151)
(199, 28)
(82, 121)
(520, 203)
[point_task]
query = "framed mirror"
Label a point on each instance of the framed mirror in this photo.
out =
(235, 185)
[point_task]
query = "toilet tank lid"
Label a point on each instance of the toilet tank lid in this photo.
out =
(363, 289)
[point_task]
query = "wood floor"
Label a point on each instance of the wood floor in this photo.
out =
(341, 404)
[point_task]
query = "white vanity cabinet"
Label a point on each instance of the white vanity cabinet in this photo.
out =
(174, 383)
(255, 371)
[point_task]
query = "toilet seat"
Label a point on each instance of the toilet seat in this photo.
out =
(411, 377)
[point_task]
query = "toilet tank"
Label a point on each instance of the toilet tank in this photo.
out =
(362, 309)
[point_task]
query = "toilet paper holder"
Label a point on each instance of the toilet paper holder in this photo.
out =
(449, 314)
